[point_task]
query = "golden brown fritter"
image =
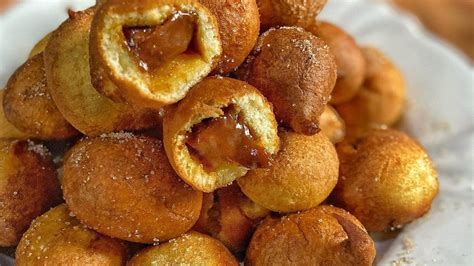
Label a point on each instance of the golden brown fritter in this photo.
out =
(7, 130)
(191, 248)
(302, 175)
(324, 235)
(57, 238)
(349, 60)
(381, 99)
(332, 125)
(239, 27)
(123, 186)
(28, 187)
(296, 72)
(29, 107)
(386, 179)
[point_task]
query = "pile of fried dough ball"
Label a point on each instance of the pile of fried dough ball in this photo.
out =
(166, 132)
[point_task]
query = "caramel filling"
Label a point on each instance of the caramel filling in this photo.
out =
(153, 46)
(227, 139)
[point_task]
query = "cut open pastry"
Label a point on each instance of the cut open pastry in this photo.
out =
(223, 128)
(153, 51)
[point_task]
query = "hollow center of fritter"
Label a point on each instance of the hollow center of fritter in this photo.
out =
(153, 46)
(226, 139)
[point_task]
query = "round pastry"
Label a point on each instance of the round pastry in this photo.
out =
(57, 238)
(386, 179)
(29, 107)
(40, 45)
(28, 187)
(191, 248)
(288, 12)
(349, 60)
(302, 175)
(170, 45)
(222, 218)
(68, 76)
(223, 128)
(381, 99)
(324, 235)
(332, 125)
(7, 130)
(239, 27)
(122, 185)
(296, 72)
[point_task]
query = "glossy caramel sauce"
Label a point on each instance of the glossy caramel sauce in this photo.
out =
(226, 139)
(155, 45)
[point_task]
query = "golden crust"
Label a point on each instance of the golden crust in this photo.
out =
(288, 12)
(302, 176)
(112, 64)
(386, 179)
(29, 107)
(206, 100)
(296, 72)
(68, 76)
(332, 125)
(122, 185)
(191, 248)
(40, 45)
(28, 187)
(57, 238)
(239, 27)
(381, 99)
(7, 130)
(349, 60)
(324, 235)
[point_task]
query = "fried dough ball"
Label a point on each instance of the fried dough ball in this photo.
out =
(288, 12)
(123, 186)
(57, 238)
(239, 27)
(386, 179)
(7, 130)
(191, 248)
(349, 60)
(40, 45)
(332, 125)
(28, 187)
(381, 99)
(324, 235)
(223, 218)
(68, 75)
(296, 72)
(29, 107)
(302, 175)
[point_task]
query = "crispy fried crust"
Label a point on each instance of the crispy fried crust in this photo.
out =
(112, 64)
(386, 179)
(350, 61)
(57, 238)
(191, 248)
(28, 187)
(67, 71)
(40, 45)
(380, 101)
(303, 174)
(239, 27)
(206, 100)
(29, 107)
(7, 130)
(324, 235)
(332, 125)
(288, 12)
(122, 185)
(296, 72)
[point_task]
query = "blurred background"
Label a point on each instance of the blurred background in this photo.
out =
(452, 20)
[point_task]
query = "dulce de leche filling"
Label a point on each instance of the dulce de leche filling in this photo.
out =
(155, 45)
(227, 139)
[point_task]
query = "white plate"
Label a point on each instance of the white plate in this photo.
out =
(440, 112)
